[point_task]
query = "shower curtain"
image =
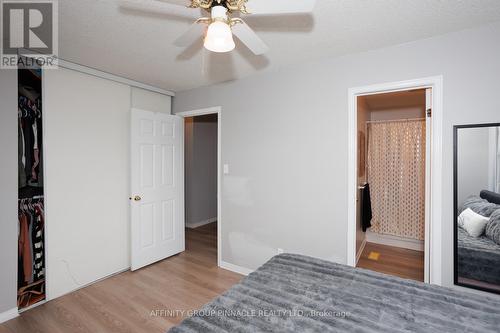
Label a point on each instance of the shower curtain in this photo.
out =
(396, 173)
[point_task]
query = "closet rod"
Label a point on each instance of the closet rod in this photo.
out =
(394, 121)
(36, 197)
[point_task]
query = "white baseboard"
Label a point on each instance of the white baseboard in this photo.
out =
(360, 251)
(8, 315)
(235, 268)
(194, 225)
(405, 243)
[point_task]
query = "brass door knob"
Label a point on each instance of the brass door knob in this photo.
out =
(136, 198)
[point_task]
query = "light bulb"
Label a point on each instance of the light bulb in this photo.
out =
(219, 37)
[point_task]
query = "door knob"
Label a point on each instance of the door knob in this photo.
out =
(136, 198)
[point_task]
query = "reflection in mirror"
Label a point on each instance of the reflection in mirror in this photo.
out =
(477, 206)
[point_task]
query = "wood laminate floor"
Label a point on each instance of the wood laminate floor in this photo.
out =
(408, 264)
(132, 301)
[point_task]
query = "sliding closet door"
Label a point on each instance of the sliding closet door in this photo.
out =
(87, 179)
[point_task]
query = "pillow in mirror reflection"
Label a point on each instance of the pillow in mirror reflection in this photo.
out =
(472, 222)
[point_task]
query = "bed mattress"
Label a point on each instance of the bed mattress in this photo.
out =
(294, 293)
(478, 258)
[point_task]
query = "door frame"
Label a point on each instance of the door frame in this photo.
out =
(201, 112)
(433, 228)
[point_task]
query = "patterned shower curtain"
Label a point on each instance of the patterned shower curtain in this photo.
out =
(396, 173)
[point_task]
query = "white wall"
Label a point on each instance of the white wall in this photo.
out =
(8, 189)
(473, 160)
(151, 101)
(200, 169)
(286, 141)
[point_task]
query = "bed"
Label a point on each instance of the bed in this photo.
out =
(294, 293)
(478, 258)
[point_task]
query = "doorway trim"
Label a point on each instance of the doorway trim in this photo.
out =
(432, 269)
(201, 112)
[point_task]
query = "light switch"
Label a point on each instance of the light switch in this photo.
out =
(226, 169)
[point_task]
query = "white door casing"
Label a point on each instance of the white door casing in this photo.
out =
(200, 112)
(433, 262)
(157, 187)
(428, 183)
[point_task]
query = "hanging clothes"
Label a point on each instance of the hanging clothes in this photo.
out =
(28, 145)
(30, 138)
(24, 247)
(21, 157)
(31, 240)
(31, 249)
(36, 160)
(39, 168)
(38, 248)
(366, 210)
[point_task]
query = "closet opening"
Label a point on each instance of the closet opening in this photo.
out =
(392, 171)
(31, 217)
(201, 177)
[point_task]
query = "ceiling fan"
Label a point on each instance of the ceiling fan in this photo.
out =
(223, 19)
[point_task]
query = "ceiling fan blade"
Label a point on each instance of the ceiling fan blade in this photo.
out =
(276, 7)
(160, 7)
(195, 31)
(248, 37)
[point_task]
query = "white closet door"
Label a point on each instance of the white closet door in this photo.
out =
(157, 201)
(86, 165)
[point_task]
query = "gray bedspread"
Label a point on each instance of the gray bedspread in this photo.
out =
(293, 293)
(478, 258)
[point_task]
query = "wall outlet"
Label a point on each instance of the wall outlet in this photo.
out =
(280, 251)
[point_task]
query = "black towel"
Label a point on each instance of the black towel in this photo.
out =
(366, 209)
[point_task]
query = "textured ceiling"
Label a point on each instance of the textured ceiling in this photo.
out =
(138, 45)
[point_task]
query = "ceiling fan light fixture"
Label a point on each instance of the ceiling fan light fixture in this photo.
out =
(219, 37)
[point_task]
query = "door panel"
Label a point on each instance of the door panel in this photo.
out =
(147, 225)
(147, 165)
(157, 187)
(167, 169)
(168, 214)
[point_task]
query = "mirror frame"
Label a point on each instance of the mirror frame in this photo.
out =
(455, 206)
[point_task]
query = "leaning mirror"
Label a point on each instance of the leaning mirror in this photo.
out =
(477, 206)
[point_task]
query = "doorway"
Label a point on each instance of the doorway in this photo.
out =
(202, 173)
(200, 181)
(429, 167)
(390, 226)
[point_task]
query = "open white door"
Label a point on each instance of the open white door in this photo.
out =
(157, 185)
(428, 201)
